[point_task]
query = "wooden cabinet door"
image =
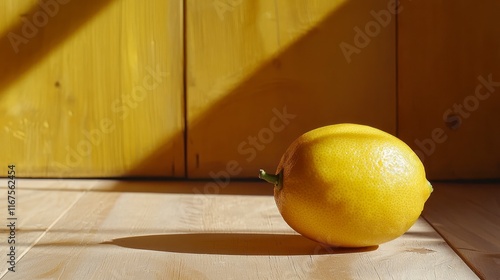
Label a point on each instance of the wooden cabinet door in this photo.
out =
(449, 86)
(91, 88)
(260, 73)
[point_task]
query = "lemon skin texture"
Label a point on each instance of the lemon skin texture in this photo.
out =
(350, 185)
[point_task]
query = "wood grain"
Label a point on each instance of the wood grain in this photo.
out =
(448, 111)
(261, 73)
(94, 91)
(36, 212)
(157, 234)
(468, 217)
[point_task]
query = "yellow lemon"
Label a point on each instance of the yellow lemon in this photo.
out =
(349, 185)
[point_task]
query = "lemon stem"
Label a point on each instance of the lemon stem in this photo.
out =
(271, 178)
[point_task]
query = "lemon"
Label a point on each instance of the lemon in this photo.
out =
(349, 185)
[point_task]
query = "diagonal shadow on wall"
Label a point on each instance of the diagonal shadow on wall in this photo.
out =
(304, 76)
(39, 32)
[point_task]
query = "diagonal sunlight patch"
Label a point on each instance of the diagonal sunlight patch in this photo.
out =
(265, 73)
(237, 53)
(32, 31)
(92, 72)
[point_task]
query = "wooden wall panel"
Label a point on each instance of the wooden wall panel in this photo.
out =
(92, 88)
(260, 73)
(449, 86)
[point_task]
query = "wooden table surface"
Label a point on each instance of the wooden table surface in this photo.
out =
(105, 229)
(468, 217)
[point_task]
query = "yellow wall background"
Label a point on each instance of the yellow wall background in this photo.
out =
(92, 88)
(261, 61)
(449, 86)
(209, 89)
